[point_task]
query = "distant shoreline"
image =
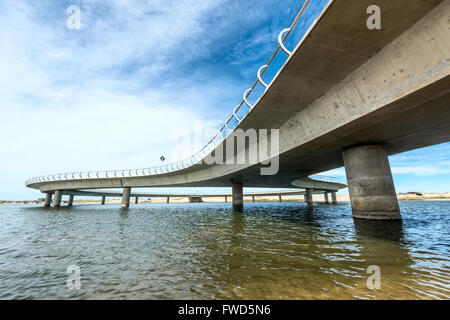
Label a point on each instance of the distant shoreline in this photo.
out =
(298, 198)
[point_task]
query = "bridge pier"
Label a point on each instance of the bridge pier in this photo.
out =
(168, 199)
(279, 198)
(308, 197)
(126, 197)
(370, 184)
(226, 199)
(253, 198)
(333, 198)
(195, 199)
(70, 203)
(325, 195)
(136, 200)
(57, 199)
(238, 199)
(103, 200)
(48, 200)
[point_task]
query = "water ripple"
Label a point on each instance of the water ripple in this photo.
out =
(205, 251)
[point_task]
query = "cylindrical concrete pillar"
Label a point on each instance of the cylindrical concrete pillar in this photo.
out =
(226, 199)
(136, 200)
(333, 198)
(126, 197)
(279, 198)
(370, 184)
(103, 200)
(57, 199)
(308, 197)
(238, 198)
(325, 195)
(253, 198)
(70, 203)
(168, 199)
(48, 199)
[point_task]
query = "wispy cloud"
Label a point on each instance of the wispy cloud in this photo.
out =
(111, 94)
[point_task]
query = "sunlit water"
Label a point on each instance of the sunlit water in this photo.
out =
(205, 251)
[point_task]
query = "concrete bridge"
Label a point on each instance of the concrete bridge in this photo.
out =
(346, 95)
(195, 197)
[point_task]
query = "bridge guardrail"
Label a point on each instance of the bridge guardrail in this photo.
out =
(226, 129)
(328, 179)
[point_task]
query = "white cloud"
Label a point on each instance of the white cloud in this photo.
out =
(73, 101)
(423, 170)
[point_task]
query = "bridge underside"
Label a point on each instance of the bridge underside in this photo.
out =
(126, 194)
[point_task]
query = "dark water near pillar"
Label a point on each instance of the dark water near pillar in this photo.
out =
(204, 250)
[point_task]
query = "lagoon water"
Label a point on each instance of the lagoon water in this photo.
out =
(205, 251)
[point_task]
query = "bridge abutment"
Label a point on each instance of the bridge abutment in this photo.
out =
(238, 198)
(126, 197)
(57, 199)
(370, 183)
(48, 200)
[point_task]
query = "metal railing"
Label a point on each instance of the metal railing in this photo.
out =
(225, 130)
(328, 179)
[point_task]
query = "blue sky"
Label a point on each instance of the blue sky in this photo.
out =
(117, 93)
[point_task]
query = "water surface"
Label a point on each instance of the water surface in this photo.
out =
(205, 251)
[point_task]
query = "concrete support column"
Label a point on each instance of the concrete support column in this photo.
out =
(57, 199)
(136, 200)
(253, 198)
(238, 198)
(126, 197)
(370, 184)
(103, 200)
(279, 198)
(333, 198)
(325, 195)
(168, 199)
(308, 197)
(70, 203)
(48, 200)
